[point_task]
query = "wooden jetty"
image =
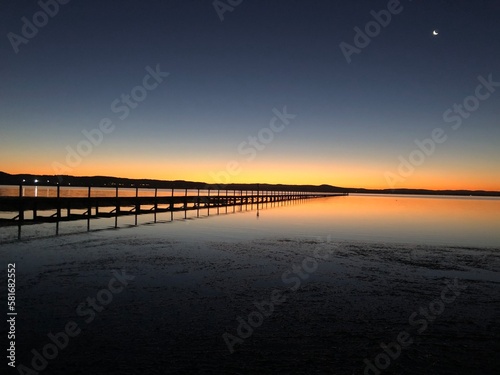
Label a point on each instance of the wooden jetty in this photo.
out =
(93, 207)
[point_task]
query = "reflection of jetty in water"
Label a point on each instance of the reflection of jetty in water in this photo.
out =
(70, 208)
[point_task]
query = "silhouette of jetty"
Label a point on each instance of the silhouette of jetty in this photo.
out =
(184, 196)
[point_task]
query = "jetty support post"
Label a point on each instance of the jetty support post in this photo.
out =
(172, 206)
(258, 196)
(198, 204)
(137, 204)
(234, 200)
(208, 203)
(155, 204)
(185, 203)
(21, 211)
(58, 208)
(89, 212)
(117, 209)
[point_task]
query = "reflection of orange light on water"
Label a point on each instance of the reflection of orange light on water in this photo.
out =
(391, 211)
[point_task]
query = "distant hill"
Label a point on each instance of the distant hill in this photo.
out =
(107, 181)
(476, 193)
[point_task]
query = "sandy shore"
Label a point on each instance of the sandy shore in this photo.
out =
(280, 306)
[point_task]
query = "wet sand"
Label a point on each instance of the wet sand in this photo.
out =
(181, 307)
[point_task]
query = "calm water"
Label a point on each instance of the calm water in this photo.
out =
(369, 218)
(454, 221)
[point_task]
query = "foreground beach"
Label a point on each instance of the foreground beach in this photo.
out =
(128, 304)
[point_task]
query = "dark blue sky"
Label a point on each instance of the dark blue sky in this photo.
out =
(353, 121)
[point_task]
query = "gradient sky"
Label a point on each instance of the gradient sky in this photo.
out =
(354, 122)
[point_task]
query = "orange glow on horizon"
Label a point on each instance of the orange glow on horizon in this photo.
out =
(293, 170)
(212, 173)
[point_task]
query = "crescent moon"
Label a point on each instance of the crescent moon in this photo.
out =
(435, 33)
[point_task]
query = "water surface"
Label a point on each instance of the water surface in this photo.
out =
(432, 220)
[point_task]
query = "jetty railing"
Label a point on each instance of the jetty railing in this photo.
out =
(69, 203)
